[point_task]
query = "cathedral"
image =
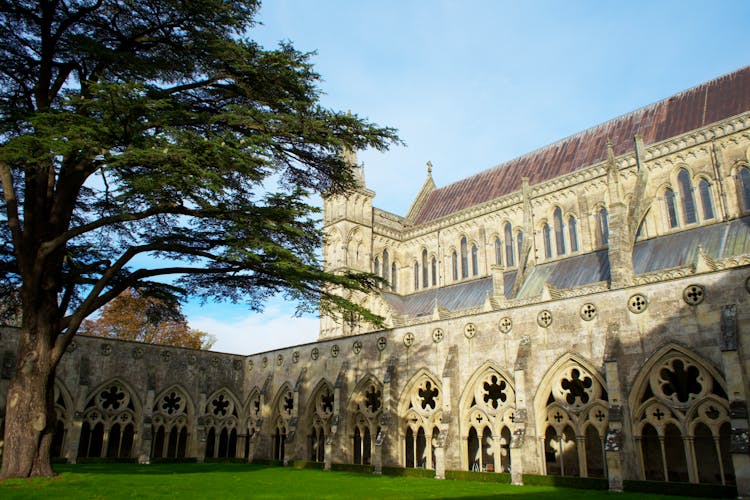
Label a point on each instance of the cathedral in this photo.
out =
(582, 310)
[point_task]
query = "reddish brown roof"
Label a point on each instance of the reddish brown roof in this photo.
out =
(710, 102)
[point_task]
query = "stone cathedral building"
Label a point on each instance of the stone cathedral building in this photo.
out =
(582, 310)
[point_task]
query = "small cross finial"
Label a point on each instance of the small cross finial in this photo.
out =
(429, 168)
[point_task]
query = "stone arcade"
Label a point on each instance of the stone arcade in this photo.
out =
(580, 310)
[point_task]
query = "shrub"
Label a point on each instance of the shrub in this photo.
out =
(404, 472)
(583, 483)
(484, 477)
(306, 464)
(683, 489)
(362, 469)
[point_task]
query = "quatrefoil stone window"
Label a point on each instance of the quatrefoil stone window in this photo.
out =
(250, 365)
(315, 353)
(637, 303)
(505, 324)
(279, 360)
(588, 311)
(295, 357)
(544, 318)
(470, 330)
(382, 343)
(694, 294)
(409, 339)
(335, 350)
(437, 335)
(357, 347)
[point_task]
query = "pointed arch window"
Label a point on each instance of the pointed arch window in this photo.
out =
(394, 277)
(376, 266)
(474, 260)
(425, 270)
(704, 189)
(602, 228)
(671, 210)
(498, 251)
(508, 233)
(686, 195)
(559, 234)
(745, 186)
(454, 265)
(547, 243)
(573, 233)
(416, 276)
(433, 268)
(386, 265)
(464, 258)
(519, 243)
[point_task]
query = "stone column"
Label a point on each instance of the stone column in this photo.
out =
(613, 436)
(739, 445)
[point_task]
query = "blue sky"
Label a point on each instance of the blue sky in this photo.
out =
(471, 84)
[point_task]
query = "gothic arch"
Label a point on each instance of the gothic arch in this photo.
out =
(221, 421)
(487, 408)
(355, 255)
(172, 420)
(252, 417)
(571, 412)
(320, 409)
(64, 411)
(364, 409)
(420, 412)
(680, 413)
(111, 420)
(282, 411)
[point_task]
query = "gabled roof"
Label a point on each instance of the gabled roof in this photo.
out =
(710, 102)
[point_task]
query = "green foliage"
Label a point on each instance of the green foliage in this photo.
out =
(408, 472)
(583, 483)
(361, 469)
(484, 477)
(137, 131)
(683, 489)
(306, 464)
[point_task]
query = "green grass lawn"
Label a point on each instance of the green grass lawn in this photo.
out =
(227, 481)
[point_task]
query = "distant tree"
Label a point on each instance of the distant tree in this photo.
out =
(150, 145)
(132, 316)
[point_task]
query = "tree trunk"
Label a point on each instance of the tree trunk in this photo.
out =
(29, 411)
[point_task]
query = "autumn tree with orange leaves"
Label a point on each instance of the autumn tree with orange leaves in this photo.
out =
(132, 316)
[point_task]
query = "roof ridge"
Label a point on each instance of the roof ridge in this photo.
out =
(602, 124)
(688, 109)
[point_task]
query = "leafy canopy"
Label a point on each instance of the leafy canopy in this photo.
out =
(151, 145)
(145, 319)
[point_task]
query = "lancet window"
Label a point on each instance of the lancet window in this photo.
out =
(707, 206)
(573, 233)
(686, 196)
(508, 234)
(744, 185)
(557, 221)
(498, 251)
(547, 241)
(669, 202)
(602, 228)
(474, 260)
(681, 421)
(108, 428)
(464, 258)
